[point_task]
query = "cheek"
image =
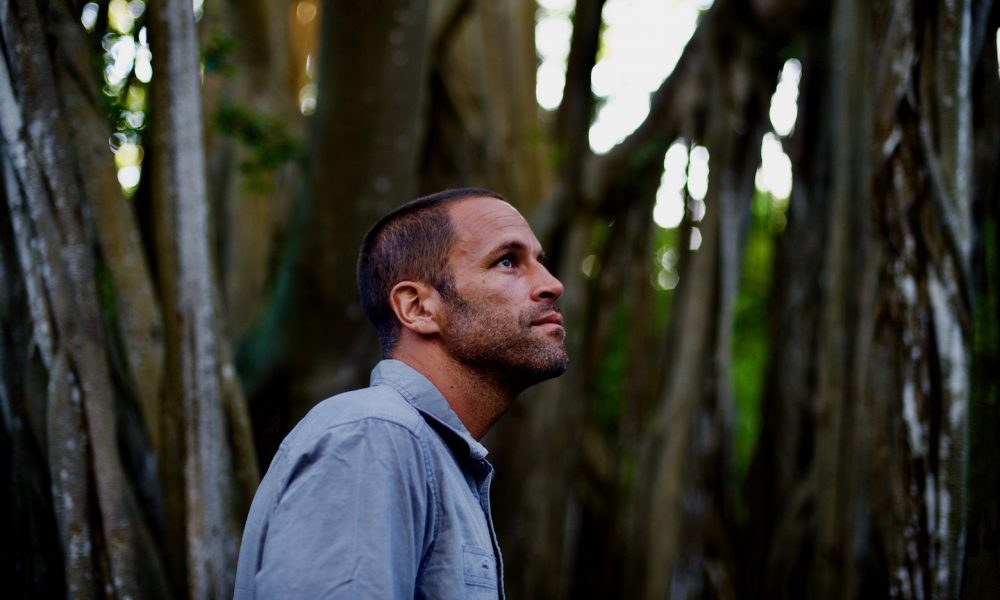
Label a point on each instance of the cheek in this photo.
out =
(496, 310)
(497, 298)
(493, 292)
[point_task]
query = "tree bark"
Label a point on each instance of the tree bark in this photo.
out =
(982, 571)
(252, 128)
(541, 523)
(781, 524)
(201, 488)
(614, 480)
(483, 127)
(685, 465)
(48, 219)
(364, 154)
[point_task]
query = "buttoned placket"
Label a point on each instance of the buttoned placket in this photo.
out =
(482, 471)
(483, 492)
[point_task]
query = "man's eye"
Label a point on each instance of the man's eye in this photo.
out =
(506, 262)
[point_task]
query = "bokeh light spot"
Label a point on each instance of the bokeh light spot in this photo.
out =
(589, 266)
(128, 177)
(553, 30)
(784, 102)
(669, 208)
(695, 239)
(698, 173)
(640, 46)
(305, 12)
(307, 99)
(775, 172)
(88, 16)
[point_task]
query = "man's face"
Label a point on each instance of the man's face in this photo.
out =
(501, 317)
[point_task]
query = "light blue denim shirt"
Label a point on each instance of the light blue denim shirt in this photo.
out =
(376, 493)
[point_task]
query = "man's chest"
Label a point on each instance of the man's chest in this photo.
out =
(464, 561)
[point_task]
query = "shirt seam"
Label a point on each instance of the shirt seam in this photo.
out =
(412, 401)
(286, 451)
(436, 499)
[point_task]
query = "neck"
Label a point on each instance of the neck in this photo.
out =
(478, 398)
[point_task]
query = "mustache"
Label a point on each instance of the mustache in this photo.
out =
(543, 311)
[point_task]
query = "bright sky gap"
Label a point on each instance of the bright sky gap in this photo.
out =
(640, 46)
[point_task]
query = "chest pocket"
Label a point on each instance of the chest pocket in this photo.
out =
(480, 567)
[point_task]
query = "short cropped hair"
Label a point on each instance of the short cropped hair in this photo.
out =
(411, 243)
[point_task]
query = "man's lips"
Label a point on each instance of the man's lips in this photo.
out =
(551, 318)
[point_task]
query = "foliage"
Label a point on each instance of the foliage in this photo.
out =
(751, 343)
(124, 70)
(265, 137)
(605, 397)
(217, 55)
(688, 436)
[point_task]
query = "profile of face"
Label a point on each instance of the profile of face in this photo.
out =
(501, 315)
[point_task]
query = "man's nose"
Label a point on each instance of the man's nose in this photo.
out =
(548, 287)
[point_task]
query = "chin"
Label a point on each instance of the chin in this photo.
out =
(551, 366)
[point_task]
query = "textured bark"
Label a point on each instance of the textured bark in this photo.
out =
(31, 554)
(201, 490)
(138, 311)
(364, 154)
(895, 346)
(781, 497)
(883, 282)
(249, 114)
(982, 573)
(685, 467)
(922, 203)
(54, 251)
(68, 461)
(541, 524)
(483, 126)
(839, 459)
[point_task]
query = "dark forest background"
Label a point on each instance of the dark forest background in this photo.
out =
(808, 407)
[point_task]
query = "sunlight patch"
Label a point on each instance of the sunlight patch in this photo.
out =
(669, 208)
(640, 46)
(775, 172)
(784, 102)
(553, 31)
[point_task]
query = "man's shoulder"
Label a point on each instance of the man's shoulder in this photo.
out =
(375, 404)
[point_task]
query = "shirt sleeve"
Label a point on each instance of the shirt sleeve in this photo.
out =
(354, 518)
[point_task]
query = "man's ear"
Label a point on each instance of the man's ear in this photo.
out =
(416, 306)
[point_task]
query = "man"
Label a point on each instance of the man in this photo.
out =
(383, 492)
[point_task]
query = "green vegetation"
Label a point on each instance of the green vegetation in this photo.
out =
(265, 137)
(751, 343)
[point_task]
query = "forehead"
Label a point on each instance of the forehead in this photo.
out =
(482, 223)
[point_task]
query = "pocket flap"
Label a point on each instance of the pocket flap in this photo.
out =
(480, 567)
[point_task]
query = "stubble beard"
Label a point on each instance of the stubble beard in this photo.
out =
(503, 347)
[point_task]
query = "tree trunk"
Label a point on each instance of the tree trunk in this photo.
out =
(483, 127)
(48, 220)
(364, 154)
(982, 573)
(615, 480)
(781, 496)
(252, 130)
(917, 385)
(202, 492)
(684, 500)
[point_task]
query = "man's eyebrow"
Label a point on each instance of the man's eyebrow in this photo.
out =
(516, 246)
(509, 246)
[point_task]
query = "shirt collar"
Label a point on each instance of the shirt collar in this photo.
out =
(421, 393)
